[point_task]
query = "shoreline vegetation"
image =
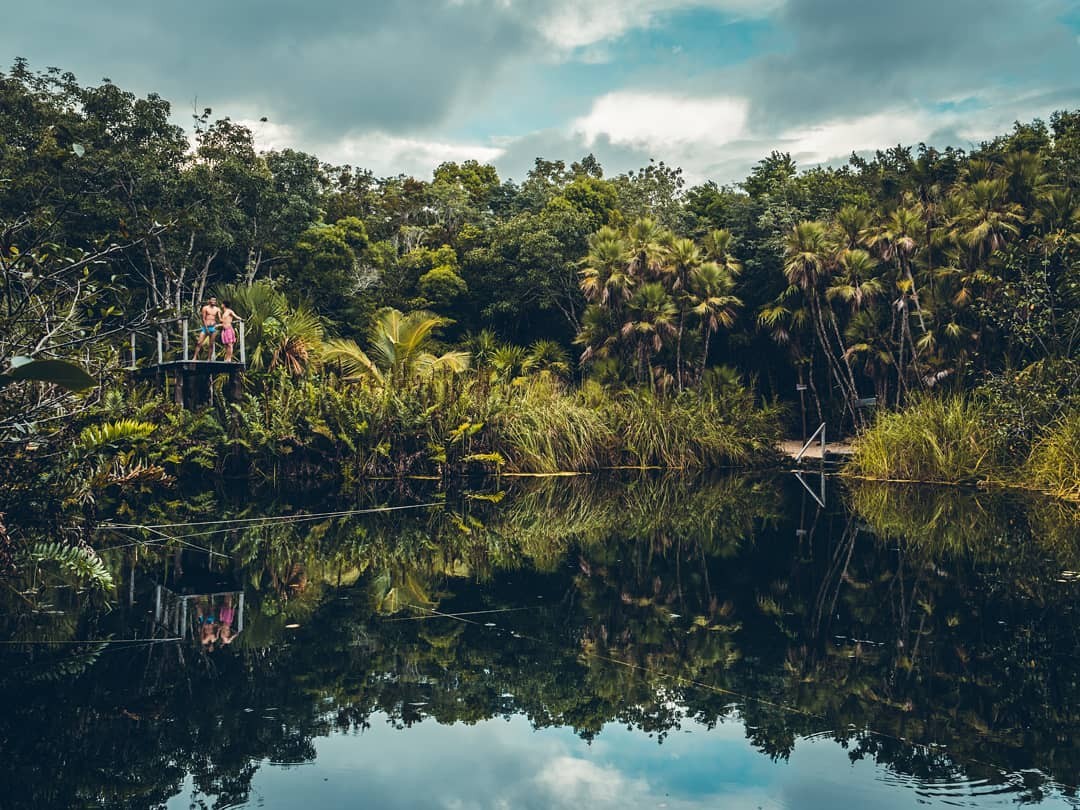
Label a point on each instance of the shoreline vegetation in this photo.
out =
(1021, 432)
(925, 300)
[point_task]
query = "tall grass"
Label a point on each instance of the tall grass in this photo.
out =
(542, 428)
(1055, 459)
(942, 440)
(695, 430)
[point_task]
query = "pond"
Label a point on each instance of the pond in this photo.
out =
(731, 642)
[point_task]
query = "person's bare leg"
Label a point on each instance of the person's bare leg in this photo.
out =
(198, 345)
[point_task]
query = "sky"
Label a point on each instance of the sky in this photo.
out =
(709, 85)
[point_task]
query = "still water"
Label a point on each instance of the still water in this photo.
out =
(653, 642)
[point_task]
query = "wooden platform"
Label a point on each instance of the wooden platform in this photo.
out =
(791, 447)
(191, 379)
(209, 367)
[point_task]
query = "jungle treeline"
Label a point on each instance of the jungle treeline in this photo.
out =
(926, 298)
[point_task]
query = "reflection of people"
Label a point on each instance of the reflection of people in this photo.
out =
(206, 621)
(210, 313)
(228, 334)
(226, 615)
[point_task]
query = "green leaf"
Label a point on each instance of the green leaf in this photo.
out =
(58, 372)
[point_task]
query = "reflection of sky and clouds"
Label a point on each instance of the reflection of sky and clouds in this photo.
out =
(501, 763)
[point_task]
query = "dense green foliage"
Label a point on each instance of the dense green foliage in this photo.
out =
(570, 321)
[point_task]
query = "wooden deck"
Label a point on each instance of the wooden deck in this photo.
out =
(171, 363)
(191, 379)
(791, 448)
(208, 367)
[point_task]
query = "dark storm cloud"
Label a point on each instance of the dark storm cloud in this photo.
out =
(325, 67)
(845, 58)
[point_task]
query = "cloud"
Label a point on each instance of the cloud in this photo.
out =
(573, 24)
(711, 85)
(822, 142)
(381, 152)
(573, 782)
(660, 122)
(847, 58)
(321, 66)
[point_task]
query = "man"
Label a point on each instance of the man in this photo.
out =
(228, 334)
(210, 313)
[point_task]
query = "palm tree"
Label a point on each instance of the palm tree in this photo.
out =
(717, 245)
(276, 334)
(805, 248)
(851, 224)
(400, 344)
(548, 356)
(988, 220)
(599, 333)
(712, 285)
(855, 284)
(648, 242)
(652, 315)
(1025, 178)
(807, 265)
(896, 239)
(605, 275)
(869, 345)
(482, 346)
(510, 361)
(399, 349)
(1057, 210)
(683, 258)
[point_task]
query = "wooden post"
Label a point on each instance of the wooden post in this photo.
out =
(181, 623)
(243, 347)
(132, 351)
(185, 340)
(235, 389)
(160, 348)
(178, 386)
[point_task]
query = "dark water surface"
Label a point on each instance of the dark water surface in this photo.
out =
(677, 643)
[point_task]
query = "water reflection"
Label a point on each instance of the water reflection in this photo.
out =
(932, 635)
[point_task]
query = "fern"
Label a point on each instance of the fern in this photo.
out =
(80, 561)
(73, 664)
(96, 437)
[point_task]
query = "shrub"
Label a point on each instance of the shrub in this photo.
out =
(542, 428)
(711, 428)
(1055, 460)
(944, 440)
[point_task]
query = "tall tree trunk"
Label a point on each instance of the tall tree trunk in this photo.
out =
(678, 352)
(705, 352)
